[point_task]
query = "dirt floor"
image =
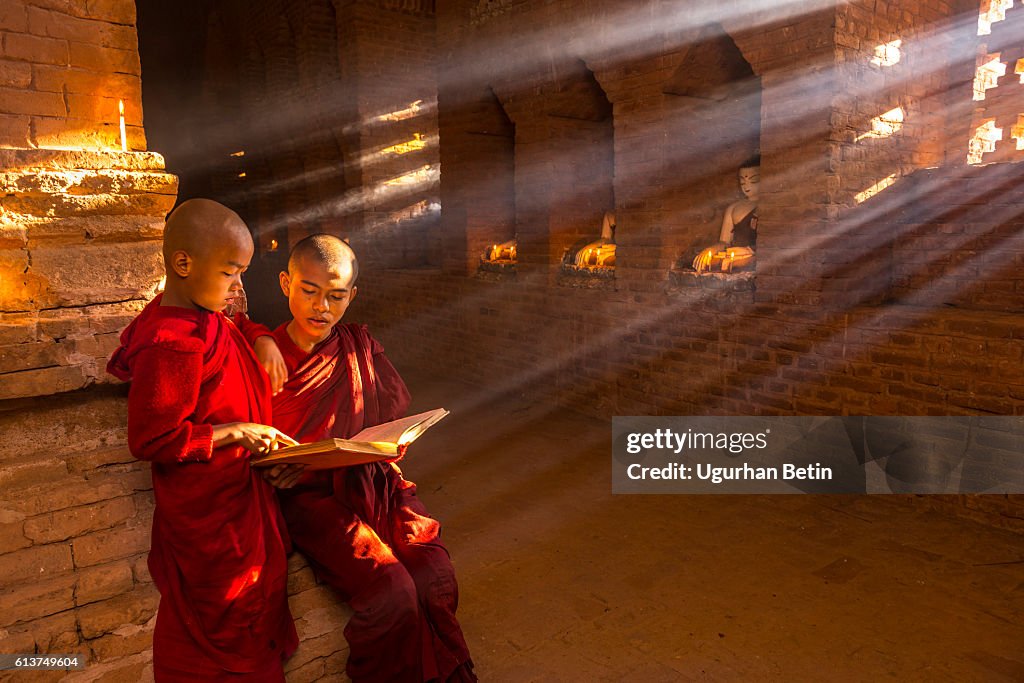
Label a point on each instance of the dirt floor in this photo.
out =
(562, 581)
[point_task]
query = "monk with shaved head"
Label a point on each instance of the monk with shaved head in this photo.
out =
(363, 528)
(198, 405)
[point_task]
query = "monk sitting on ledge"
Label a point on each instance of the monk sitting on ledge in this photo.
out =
(362, 527)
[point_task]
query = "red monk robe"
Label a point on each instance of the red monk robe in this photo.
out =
(363, 528)
(217, 552)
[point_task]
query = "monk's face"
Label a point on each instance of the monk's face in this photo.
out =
(318, 295)
(214, 277)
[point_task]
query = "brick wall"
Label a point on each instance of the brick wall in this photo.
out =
(64, 72)
(80, 223)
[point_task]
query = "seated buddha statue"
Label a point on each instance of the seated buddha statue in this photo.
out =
(738, 238)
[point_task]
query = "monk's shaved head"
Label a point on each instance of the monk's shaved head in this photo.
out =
(197, 226)
(329, 251)
(206, 249)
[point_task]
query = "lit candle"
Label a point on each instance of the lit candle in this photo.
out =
(124, 137)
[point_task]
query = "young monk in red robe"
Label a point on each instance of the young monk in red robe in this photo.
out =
(199, 403)
(362, 527)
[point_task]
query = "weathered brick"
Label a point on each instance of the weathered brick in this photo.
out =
(103, 581)
(15, 74)
(53, 634)
(104, 546)
(31, 103)
(36, 49)
(60, 79)
(92, 229)
(77, 159)
(35, 563)
(30, 471)
(114, 11)
(84, 463)
(104, 59)
(15, 131)
(92, 274)
(312, 649)
(60, 493)
(300, 580)
(137, 608)
(12, 535)
(76, 134)
(58, 25)
(35, 599)
(129, 639)
(98, 108)
(314, 670)
(329, 617)
(140, 570)
(72, 522)
(130, 669)
(13, 17)
(27, 356)
(41, 382)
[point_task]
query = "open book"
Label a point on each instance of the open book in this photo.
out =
(386, 441)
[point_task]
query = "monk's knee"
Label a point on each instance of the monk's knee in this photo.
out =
(392, 597)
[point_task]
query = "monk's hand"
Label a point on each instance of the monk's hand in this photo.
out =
(272, 361)
(283, 476)
(255, 438)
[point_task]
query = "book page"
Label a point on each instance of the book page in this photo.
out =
(402, 431)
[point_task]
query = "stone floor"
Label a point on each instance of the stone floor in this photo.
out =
(562, 581)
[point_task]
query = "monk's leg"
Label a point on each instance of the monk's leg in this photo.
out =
(384, 633)
(415, 540)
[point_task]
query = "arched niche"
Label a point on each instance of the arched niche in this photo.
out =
(488, 176)
(581, 145)
(714, 121)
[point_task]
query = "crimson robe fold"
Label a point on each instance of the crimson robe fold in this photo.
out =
(218, 554)
(362, 527)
